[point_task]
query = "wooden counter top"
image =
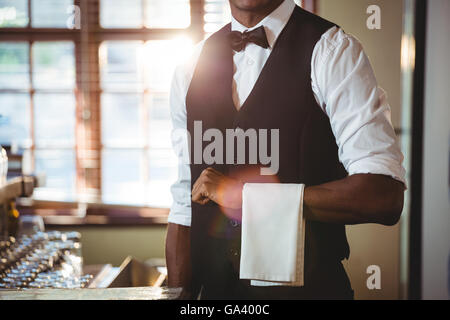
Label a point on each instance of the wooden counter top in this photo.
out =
(16, 187)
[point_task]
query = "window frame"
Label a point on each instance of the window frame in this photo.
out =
(87, 41)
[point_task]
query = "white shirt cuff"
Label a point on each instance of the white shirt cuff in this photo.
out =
(379, 166)
(180, 215)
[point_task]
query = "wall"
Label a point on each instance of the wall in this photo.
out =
(436, 192)
(374, 244)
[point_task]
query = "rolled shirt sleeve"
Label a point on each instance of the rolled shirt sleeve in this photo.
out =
(180, 212)
(345, 88)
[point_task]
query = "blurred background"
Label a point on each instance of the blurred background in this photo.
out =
(84, 90)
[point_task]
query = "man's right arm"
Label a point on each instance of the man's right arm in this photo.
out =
(178, 249)
(178, 241)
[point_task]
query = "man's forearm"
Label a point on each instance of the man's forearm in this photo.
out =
(178, 256)
(361, 198)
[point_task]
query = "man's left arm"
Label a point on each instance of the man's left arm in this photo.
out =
(346, 89)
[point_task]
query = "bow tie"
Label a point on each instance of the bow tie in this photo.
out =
(238, 40)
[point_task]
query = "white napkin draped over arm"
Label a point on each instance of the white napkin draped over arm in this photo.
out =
(273, 234)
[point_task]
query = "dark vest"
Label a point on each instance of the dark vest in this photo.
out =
(282, 98)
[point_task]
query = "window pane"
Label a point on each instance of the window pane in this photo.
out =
(54, 116)
(121, 14)
(217, 14)
(15, 119)
(160, 125)
(53, 65)
(13, 13)
(59, 169)
(162, 174)
(122, 180)
(162, 56)
(121, 120)
(50, 13)
(168, 14)
(14, 66)
(120, 64)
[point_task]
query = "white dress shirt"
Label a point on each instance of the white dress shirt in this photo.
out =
(345, 89)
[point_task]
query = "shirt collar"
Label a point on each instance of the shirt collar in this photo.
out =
(273, 24)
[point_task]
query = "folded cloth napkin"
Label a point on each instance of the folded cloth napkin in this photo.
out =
(273, 234)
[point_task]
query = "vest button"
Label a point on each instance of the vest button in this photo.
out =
(234, 223)
(234, 252)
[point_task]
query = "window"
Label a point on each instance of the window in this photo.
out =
(135, 77)
(82, 103)
(38, 108)
(136, 126)
(13, 13)
(87, 104)
(217, 14)
(171, 14)
(50, 13)
(37, 92)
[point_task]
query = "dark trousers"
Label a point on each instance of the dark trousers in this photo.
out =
(220, 279)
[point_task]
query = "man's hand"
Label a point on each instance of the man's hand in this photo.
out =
(215, 186)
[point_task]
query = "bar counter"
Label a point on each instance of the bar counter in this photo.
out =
(135, 293)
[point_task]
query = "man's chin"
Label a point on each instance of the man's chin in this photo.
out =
(251, 5)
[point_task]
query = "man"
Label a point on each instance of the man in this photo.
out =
(278, 66)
